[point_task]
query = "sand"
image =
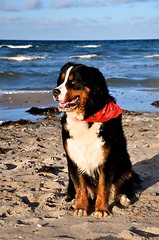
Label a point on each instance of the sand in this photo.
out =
(13, 106)
(34, 178)
(26, 99)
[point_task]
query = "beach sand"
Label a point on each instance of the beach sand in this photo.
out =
(34, 178)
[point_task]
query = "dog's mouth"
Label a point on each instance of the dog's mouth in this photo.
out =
(66, 106)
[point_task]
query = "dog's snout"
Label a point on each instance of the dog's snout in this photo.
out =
(56, 92)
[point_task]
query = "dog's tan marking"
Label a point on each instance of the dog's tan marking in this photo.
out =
(101, 205)
(106, 151)
(71, 77)
(83, 99)
(81, 198)
(72, 94)
(63, 76)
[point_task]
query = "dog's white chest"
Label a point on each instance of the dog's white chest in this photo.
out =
(85, 147)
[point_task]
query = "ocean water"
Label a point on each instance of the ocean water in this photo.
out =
(131, 67)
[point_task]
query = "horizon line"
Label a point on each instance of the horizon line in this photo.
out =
(125, 39)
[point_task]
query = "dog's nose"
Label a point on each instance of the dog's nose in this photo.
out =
(56, 92)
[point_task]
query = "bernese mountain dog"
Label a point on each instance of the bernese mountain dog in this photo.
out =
(94, 141)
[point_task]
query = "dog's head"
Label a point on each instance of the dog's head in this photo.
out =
(81, 89)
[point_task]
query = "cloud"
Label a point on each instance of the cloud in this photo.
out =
(8, 7)
(33, 4)
(94, 3)
(66, 21)
(10, 19)
(130, 1)
(77, 4)
(59, 4)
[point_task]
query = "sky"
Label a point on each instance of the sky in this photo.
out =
(79, 19)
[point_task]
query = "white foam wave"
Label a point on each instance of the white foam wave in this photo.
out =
(89, 46)
(152, 64)
(87, 56)
(18, 46)
(152, 56)
(21, 58)
(5, 92)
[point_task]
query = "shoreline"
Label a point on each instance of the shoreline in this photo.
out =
(26, 99)
(13, 106)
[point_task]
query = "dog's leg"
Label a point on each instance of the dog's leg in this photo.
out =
(103, 191)
(81, 197)
(123, 189)
(77, 188)
(123, 200)
(70, 190)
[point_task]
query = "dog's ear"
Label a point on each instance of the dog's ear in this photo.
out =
(98, 81)
(99, 86)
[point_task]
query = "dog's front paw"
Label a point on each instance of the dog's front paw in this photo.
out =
(101, 214)
(80, 213)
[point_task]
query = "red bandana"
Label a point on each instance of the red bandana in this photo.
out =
(110, 110)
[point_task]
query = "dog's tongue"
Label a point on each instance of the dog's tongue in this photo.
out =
(67, 104)
(64, 104)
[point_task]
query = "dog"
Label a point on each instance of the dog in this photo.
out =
(94, 141)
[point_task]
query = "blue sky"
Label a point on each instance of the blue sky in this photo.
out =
(79, 19)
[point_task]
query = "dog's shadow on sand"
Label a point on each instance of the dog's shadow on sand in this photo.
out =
(148, 171)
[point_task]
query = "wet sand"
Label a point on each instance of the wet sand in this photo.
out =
(26, 100)
(13, 106)
(34, 178)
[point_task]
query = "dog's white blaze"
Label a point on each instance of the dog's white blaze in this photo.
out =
(62, 87)
(85, 147)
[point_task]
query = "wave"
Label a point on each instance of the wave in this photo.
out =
(135, 83)
(156, 64)
(89, 46)
(5, 92)
(21, 58)
(16, 74)
(2, 73)
(115, 81)
(18, 46)
(86, 56)
(152, 56)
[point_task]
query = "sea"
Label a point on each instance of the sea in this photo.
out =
(130, 67)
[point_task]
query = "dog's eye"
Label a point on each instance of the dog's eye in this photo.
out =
(73, 82)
